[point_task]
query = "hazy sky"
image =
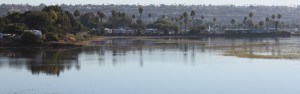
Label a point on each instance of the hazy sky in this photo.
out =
(142, 2)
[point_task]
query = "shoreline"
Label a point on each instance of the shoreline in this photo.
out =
(85, 43)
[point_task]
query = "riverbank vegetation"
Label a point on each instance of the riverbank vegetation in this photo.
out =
(54, 24)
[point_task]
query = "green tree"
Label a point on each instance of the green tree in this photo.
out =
(232, 22)
(15, 28)
(89, 20)
(29, 38)
(165, 25)
(14, 17)
(261, 24)
(202, 17)
(39, 21)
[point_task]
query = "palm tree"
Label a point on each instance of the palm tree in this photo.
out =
(133, 17)
(232, 22)
(276, 25)
(245, 21)
(251, 15)
(185, 16)
(279, 17)
(101, 16)
(267, 22)
(273, 16)
(149, 15)
(261, 24)
(273, 19)
(202, 17)
(180, 21)
(141, 12)
(76, 14)
(214, 19)
(113, 13)
(193, 16)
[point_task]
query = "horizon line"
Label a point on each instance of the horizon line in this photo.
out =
(291, 5)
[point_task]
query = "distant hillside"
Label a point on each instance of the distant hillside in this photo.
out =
(223, 13)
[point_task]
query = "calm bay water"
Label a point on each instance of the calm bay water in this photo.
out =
(156, 66)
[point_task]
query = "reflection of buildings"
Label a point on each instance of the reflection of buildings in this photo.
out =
(260, 48)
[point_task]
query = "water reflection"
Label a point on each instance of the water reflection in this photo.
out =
(47, 61)
(117, 51)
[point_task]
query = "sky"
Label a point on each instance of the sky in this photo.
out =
(167, 2)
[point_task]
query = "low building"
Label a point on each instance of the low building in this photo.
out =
(151, 31)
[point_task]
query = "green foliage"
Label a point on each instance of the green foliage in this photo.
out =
(197, 29)
(55, 8)
(29, 38)
(52, 19)
(3, 23)
(51, 37)
(76, 13)
(121, 19)
(89, 20)
(165, 25)
(14, 17)
(16, 28)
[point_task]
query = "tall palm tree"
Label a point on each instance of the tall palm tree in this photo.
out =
(279, 17)
(181, 22)
(76, 14)
(267, 22)
(214, 19)
(193, 16)
(141, 12)
(101, 16)
(149, 15)
(185, 18)
(251, 15)
(273, 19)
(232, 22)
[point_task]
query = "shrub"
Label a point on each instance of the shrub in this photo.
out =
(29, 37)
(51, 37)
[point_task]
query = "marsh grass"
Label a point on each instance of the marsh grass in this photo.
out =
(248, 54)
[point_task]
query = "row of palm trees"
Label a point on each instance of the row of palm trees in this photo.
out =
(184, 18)
(250, 24)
